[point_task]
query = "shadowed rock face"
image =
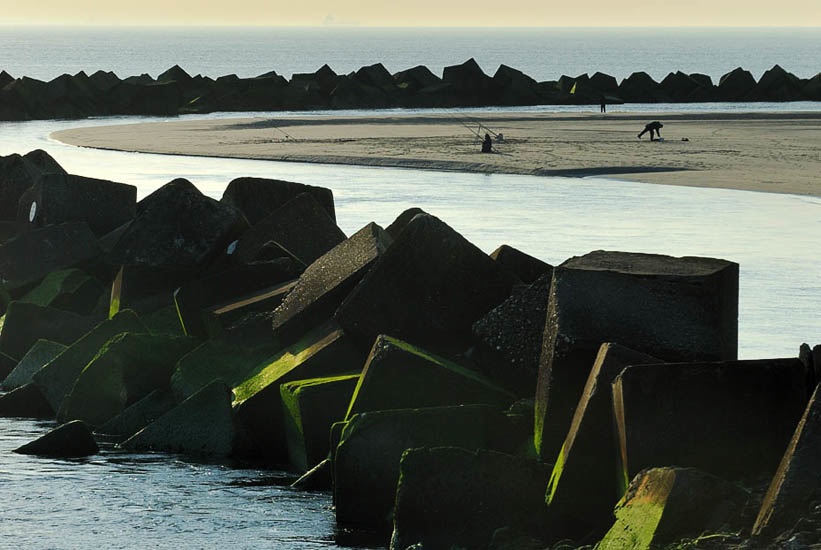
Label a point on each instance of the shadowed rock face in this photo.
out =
(73, 439)
(256, 198)
(176, 92)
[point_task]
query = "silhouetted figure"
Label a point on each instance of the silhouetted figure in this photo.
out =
(487, 145)
(653, 127)
(603, 104)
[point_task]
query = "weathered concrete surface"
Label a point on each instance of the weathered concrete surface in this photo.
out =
(37, 356)
(232, 316)
(398, 375)
(68, 289)
(311, 407)
(26, 323)
(257, 198)
(203, 424)
(676, 309)
(139, 415)
(428, 288)
(733, 419)
(451, 497)
(524, 266)
(797, 478)
(326, 282)
(70, 440)
(584, 485)
(25, 402)
(665, 505)
(18, 173)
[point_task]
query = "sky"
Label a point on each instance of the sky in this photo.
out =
(426, 13)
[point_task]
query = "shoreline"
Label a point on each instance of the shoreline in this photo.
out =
(768, 152)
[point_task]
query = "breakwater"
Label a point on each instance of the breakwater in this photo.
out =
(247, 326)
(466, 85)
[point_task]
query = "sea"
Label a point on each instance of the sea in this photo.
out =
(120, 500)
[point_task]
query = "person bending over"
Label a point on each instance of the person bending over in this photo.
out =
(653, 127)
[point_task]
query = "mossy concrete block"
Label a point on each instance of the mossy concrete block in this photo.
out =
(163, 321)
(127, 368)
(138, 415)
(226, 285)
(60, 198)
(665, 505)
(310, 408)
(509, 338)
(221, 317)
(67, 289)
(257, 198)
(145, 288)
(37, 356)
(25, 402)
(28, 257)
(429, 288)
(18, 173)
(57, 377)
(398, 375)
(366, 461)
(216, 360)
(797, 479)
(7, 365)
(733, 419)
(26, 323)
(326, 282)
(301, 227)
(524, 266)
(203, 424)
(450, 497)
(177, 226)
(71, 440)
(584, 486)
(325, 351)
(676, 309)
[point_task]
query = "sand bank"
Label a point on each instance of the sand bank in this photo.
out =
(772, 152)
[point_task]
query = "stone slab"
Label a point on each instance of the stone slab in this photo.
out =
(37, 356)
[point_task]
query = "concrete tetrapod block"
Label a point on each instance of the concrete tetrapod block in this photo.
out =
(366, 461)
(59, 198)
(428, 288)
(664, 505)
(733, 419)
(26, 323)
(71, 440)
(257, 198)
(145, 288)
(398, 375)
(67, 289)
(203, 424)
(326, 282)
(177, 227)
(797, 478)
(676, 309)
(127, 368)
(222, 317)
(57, 377)
(18, 173)
(301, 227)
(325, 351)
(7, 364)
(524, 266)
(584, 486)
(37, 356)
(449, 497)
(509, 338)
(139, 415)
(27, 401)
(221, 287)
(310, 408)
(28, 257)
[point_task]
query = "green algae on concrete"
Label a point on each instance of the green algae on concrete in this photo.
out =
(163, 321)
(127, 368)
(139, 415)
(399, 375)
(57, 377)
(37, 356)
(665, 505)
(311, 407)
(203, 424)
(68, 289)
(325, 351)
(26, 323)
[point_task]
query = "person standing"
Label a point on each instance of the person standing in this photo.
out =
(653, 127)
(603, 104)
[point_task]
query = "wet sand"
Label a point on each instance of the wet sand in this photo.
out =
(771, 152)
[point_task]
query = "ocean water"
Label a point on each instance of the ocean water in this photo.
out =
(544, 54)
(162, 501)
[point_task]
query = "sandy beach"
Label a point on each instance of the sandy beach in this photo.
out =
(771, 152)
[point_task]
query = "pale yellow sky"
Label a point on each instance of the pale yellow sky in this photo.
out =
(402, 13)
